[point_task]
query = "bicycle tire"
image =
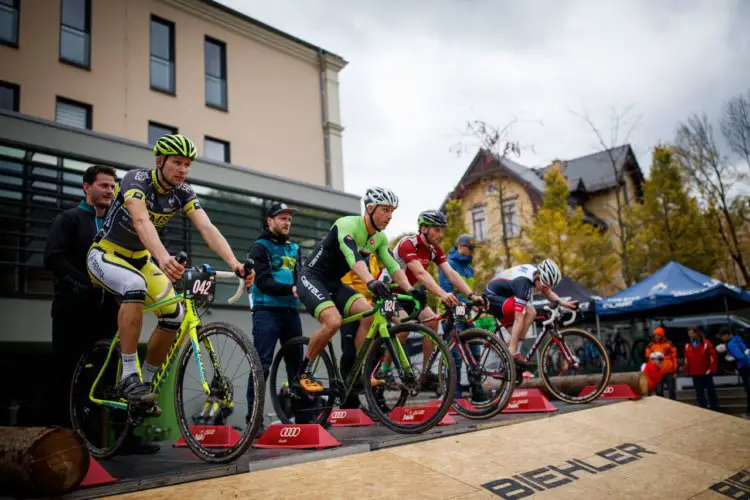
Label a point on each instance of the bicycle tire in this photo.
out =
(75, 390)
(373, 358)
(289, 347)
(564, 397)
(487, 410)
(222, 455)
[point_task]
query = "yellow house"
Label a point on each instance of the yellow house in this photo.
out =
(499, 196)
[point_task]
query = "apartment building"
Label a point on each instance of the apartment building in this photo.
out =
(248, 94)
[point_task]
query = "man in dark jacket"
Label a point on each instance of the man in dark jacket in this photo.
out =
(273, 296)
(81, 314)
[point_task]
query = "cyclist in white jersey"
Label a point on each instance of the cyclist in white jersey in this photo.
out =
(510, 293)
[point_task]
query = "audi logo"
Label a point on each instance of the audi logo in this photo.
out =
(290, 432)
(609, 390)
(338, 414)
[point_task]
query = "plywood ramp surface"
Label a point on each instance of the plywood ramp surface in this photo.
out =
(652, 448)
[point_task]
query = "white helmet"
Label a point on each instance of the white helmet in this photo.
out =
(380, 196)
(549, 273)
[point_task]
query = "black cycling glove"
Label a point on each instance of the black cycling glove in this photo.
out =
(379, 289)
(420, 294)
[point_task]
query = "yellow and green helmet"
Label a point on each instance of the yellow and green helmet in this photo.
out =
(175, 145)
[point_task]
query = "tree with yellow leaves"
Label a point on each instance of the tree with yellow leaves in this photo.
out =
(583, 252)
(671, 225)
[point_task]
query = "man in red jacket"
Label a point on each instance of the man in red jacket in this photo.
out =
(700, 363)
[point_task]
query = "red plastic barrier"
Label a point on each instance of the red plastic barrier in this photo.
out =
(97, 475)
(463, 402)
(302, 436)
(212, 436)
(529, 401)
(349, 418)
(418, 414)
(618, 391)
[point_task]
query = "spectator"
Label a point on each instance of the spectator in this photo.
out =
(349, 330)
(653, 370)
(81, 314)
(661, 344)
(273, 295)
(460, 258)
(700, 363)
(737, 349)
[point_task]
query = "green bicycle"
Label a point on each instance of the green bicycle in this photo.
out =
(291, 404)
(104, 419)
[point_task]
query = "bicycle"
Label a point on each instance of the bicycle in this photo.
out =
(198, 289)
(562, 361)
(472, 347)
(617, 348)
(380, 338)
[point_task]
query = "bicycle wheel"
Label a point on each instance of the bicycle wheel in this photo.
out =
(494, 373)
(555, 365)
(220, 363)
(103, 428)
(295, 406)
(410, 387)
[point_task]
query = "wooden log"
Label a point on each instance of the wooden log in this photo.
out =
(575, 383)
(41, 460)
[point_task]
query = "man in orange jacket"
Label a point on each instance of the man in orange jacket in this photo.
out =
(669, 365)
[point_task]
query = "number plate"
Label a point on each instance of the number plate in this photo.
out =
(199, 285)
(461, 310)
(389, 306)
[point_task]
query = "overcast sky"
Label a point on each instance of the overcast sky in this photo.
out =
(419, 70)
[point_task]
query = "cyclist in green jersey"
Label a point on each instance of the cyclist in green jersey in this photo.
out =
(319, 282)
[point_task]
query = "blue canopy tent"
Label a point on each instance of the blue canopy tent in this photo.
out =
(674, 290)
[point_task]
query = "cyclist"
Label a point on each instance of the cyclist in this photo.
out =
(414, 254)
(509, 294)
(319, 283)
(120, 259)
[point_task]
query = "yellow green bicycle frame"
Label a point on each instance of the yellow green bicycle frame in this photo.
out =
(379, 328)
(189, 328)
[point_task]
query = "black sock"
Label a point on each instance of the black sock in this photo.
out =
(304, 366)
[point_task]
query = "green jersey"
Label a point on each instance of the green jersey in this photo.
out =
(339, 250)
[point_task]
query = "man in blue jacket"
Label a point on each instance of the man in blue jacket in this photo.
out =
(273, 296)
(460, 258)
(736, 348)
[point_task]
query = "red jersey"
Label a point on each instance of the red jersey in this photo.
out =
(413, 247)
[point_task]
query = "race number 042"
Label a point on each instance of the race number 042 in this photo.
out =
(201, 287)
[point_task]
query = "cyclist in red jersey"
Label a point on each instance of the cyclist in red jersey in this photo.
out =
(414, 254)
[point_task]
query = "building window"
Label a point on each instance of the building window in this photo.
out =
(73, 114)
(156, 130)
(9, 22)
(479, 223)
(216, 73)
(162, 55)
(9, 96)
(75, 32)
(216, 150)
(511, 219)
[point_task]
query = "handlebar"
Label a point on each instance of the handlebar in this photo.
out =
(182, 258)
(555, 313)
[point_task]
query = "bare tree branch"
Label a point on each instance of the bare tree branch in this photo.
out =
(713, 176)
(623, 232)
(735, 125)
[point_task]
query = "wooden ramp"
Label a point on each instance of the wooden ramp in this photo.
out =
(652, 448)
